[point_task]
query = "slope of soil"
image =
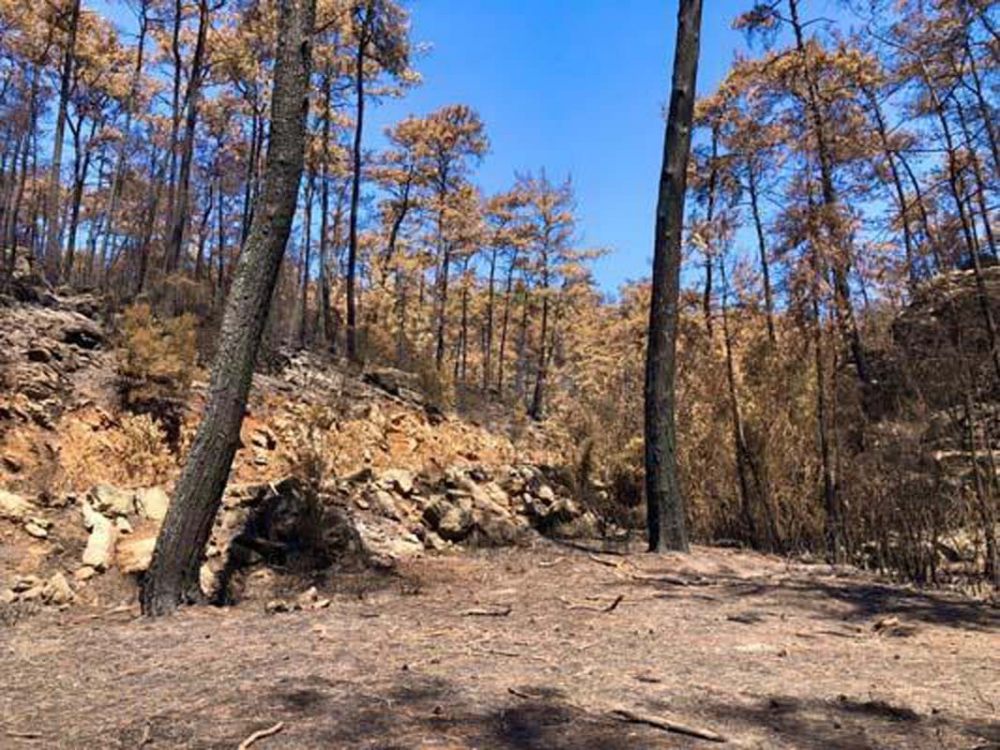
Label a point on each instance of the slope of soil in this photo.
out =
(523, 649)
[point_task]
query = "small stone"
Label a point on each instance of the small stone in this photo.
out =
(112, 501)
(100, 549)
(35, 530)
(278, 606)
(134, 554)
(309, 596)
(123, 525)
(362, 503)
(58, 590)
(398, 480)
(84, 573)
(263, 438)
(36, 592)
(153, 503)
(546, 494)
(385, 504)
(7, 596)
(23, 583)
(13, 507)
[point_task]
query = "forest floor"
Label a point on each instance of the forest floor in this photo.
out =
(523, 649)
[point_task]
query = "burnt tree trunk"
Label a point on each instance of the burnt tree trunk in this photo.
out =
(172, 578)
(665, 506)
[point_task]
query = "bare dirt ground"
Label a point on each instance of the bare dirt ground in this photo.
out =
(523, 650)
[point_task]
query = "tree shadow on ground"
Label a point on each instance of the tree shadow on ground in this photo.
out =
(865, 600)
(849, 724)
(421, 711)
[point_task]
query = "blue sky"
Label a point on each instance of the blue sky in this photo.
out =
(575, 86)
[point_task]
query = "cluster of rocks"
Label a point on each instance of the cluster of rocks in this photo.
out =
(471, 505)
(375, 519)
(120, 528)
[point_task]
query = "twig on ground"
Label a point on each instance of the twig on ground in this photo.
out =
(608, 563)
(25, 735)
(147, 734)
(592, 608)
(261, 735)
(502, 612)
(667, 726)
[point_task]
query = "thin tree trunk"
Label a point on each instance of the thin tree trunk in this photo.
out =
(52, 250)
(306, 262)
(841, 264)
(765, 267)
(180, 208)
(897, 182)
(501, 353)
(739, 437)
(81, 167)
(173, 576)
(352, 252)
(203, 227)
(116, 186)
(488, 332)
(537, 410)
(713, 180)
(666, 521)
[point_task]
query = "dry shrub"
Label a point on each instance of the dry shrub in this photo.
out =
(144, 452)
(436, 385)
(315, 453)
(155, 366)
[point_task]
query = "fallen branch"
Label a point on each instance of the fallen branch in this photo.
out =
(261, 735)
(669, 579)
(667, 726)
(25, 735)
(502, 612)
(592, 608)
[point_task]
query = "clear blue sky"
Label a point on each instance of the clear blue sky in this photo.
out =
(575, 86)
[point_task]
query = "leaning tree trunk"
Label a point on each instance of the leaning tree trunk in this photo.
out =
(665, 505)
(173, 574)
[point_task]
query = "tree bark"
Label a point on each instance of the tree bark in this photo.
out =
(666, 521)
(173, 576)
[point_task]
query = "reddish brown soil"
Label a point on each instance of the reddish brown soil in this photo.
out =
(770, 655)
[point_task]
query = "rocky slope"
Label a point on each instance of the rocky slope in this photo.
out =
(333, 468)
